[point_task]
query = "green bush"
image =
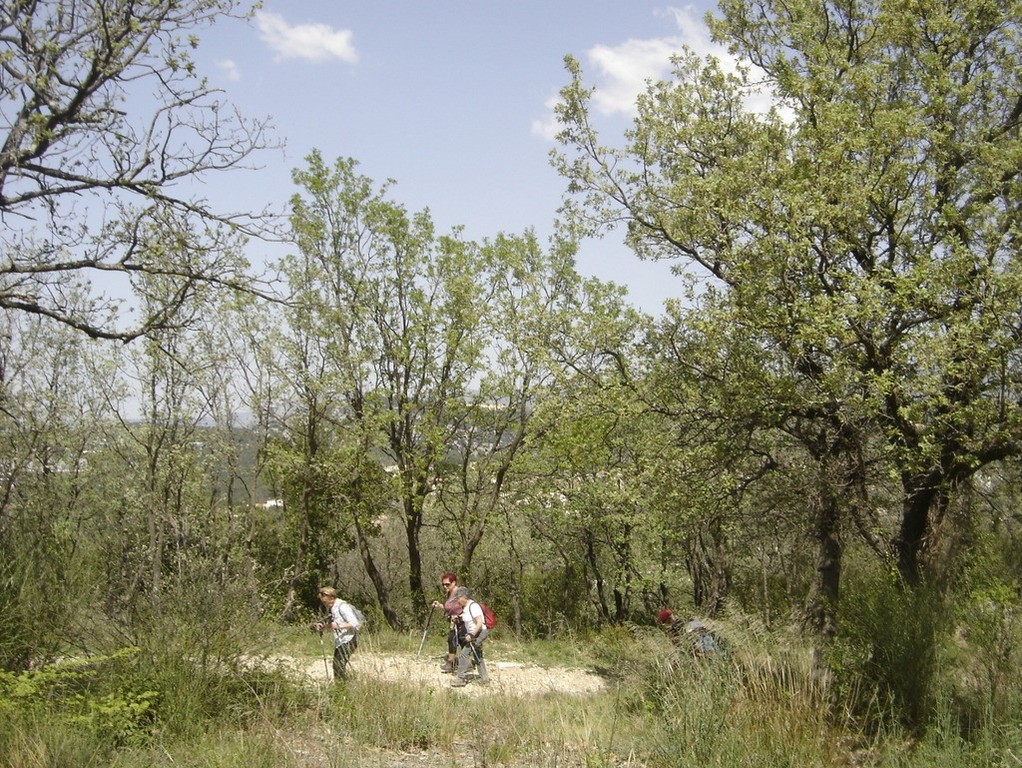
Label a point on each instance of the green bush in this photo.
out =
(119, 719)
(75, 708)
(885, 658)
(100, 705)
(553, 602)
(26, 633)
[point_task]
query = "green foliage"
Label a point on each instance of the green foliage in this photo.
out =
(22, 629)
(95, 698)
(177, 243)
(851, 250)
(253, 747)
(760, 706)
(850, 349)
(132, 700)
(118, 720)
(554, 602)
(888, 650)
(390, 716)
(983, 684)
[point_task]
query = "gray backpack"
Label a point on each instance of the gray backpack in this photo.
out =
(358, 615)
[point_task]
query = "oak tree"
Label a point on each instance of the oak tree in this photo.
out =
(861, 236)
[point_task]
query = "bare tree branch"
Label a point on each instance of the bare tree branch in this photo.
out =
(104, 127)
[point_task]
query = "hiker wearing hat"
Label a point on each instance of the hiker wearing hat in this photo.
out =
(472, 632)
(345, 625)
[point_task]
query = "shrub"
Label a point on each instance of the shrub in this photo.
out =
(886, 656)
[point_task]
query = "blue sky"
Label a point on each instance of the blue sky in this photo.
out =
(453, 100)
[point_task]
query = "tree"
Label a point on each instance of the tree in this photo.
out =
(178, 457)
(96, 171)
(400, 313)
(532, 300)
(736, 435)
(865, 239)
(50, 405)
(580, 480)
(331, 486)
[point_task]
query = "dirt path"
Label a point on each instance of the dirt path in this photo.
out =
(506, 678)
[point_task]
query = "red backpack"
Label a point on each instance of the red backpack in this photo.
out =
(489, 617)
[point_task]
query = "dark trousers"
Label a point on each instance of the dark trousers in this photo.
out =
(342, 653)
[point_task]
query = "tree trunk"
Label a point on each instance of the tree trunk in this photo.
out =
(822, 601)
(379, 584)
(622, 587)
(515, 573)
(708, 569)
(601, 597)
(915, 517)
(413, 525)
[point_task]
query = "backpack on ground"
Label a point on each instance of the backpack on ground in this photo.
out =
(489, 617)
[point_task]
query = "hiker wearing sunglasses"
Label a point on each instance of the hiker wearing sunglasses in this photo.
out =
(451, 606)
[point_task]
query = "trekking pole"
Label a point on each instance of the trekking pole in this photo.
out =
(322, 647)
(479, 664)
(424, 631)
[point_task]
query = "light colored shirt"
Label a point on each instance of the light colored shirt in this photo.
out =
(472, 618)
(341, 613)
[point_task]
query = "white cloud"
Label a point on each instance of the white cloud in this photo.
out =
(620, 72)
(305, 41)
(229, 69)
(624, 69)
(548, 127)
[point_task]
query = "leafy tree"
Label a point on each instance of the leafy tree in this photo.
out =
(106, 125)
(50, 403)
(738, 454)
(400, 314)
(532, 299)
(433, 353)
(861, 243)
(290, 380)
(581, 481)
(168, 543)
(598, 510)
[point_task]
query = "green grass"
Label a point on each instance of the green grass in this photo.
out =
(759, 706)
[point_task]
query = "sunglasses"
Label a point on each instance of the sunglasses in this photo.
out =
(445, 583)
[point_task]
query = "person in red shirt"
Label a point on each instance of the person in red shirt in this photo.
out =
(451, 606)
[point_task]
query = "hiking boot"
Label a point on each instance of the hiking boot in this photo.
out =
(447, 668)
(484, 681)
(459, 682)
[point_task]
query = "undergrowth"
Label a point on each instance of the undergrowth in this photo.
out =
(760, 704)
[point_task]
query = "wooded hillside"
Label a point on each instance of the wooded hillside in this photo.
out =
(823, 433)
